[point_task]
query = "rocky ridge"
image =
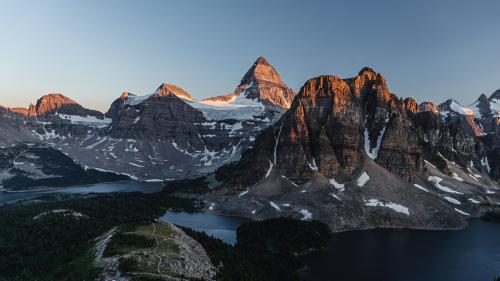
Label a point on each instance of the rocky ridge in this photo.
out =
(351, 148)
(163, 135)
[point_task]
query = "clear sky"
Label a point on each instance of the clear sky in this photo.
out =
(92, 51)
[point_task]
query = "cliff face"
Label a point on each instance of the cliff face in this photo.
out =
(162, 115)
(332, 125)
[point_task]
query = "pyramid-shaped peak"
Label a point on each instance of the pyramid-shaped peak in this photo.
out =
(261, 70)
(263, 82)
(483, 98)
(166, 89)
(262, 61)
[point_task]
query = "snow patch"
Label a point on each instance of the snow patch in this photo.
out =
(373, 152)
(437, 183)
(363, 179)
(97, 143)
(420, 187)
(335, 196)
(396, 207)
(462, 212)
(339, 186)
(269, 170)
(455, 176)
(313, 165)
(294, 184)
(474, 201)
(306, 215)
(452, 200)
(276, 142)
(486, 164)
(275, 206)
(430, 164)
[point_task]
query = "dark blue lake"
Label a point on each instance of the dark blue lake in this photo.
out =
(129, 186)
(222, 227)
(472, 254)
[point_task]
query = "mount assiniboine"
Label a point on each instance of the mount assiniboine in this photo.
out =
(347, 152)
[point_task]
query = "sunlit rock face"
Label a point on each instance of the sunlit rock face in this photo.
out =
(56, 103)
(261, 82)
(331, 124)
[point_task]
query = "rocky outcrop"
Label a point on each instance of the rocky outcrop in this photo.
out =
(428, 106)
(174, 256)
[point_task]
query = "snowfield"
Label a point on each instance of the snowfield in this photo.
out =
(89, 121)
(238, 107)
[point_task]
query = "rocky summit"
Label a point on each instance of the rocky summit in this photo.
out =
(261, 82)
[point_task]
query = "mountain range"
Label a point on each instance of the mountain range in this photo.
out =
(347, 152)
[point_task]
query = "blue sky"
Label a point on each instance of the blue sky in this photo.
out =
(92, 51)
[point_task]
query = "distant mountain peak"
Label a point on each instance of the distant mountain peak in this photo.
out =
(483, 97)
(125, 95)
(51, 103)
(366, 70)
(166, 89)
(263, 82)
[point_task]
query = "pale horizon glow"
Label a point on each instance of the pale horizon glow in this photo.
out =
(92, 51)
